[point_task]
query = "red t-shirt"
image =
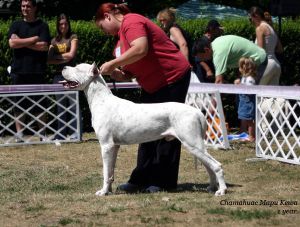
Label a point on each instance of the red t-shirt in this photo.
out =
(163, 64)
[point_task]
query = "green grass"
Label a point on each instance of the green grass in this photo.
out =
(239, 214)
(45, 185)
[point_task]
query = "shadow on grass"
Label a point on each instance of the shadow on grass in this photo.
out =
(190, 187)
(90, 140)
(181, 188)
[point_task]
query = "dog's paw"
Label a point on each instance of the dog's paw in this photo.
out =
(220, 192)
(102, 192)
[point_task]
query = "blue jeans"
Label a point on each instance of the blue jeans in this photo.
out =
(246, 110)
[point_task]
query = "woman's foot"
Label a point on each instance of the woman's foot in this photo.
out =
(153, 189)
(249, 139)
(129, 188)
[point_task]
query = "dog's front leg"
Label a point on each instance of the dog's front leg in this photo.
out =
(109, 156)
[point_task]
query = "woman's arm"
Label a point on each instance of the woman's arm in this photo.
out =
(260, 36)
(65, 57)
(138, 49)
(178, 38)
(68, 56)
(219, 79)
(51, 56)
(206, 68)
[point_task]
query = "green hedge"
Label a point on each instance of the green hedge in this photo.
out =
(95, 46)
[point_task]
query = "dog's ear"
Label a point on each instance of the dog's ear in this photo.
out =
(95, 70)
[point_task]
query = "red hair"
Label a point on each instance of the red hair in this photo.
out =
(111, 8)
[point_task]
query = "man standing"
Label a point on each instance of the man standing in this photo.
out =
(29, 38)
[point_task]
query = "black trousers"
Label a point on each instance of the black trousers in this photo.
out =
(158, 161)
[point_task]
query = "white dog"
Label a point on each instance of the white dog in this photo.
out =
(118, 121)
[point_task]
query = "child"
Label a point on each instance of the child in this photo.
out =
(246, 108)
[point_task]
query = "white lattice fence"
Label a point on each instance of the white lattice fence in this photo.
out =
(278, 128)
(211, 105)
(38, 126)
(277, 120)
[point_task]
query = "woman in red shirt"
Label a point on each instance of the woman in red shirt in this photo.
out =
(144, 52)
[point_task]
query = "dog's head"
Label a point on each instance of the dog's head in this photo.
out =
(80, 76)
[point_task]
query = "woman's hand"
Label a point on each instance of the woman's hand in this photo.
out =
(117, 75)
(120, 75)
(107, 68)
(237, 81)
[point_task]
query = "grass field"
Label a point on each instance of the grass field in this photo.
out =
(48, 185)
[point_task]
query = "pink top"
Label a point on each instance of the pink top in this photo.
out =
(164, 63)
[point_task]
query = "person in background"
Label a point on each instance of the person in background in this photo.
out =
(268, 18)
(279, 47)
(62, 52)
(267, 39)
(167, 20)
(246, 106)
(29, 39)
(180, 38)
(212, 31)
(145, 52)
(226, 50)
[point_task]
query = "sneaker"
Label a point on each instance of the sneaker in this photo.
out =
(153, 189)
(74, 136)
(19, 137)
(43, 138)
(128, 188)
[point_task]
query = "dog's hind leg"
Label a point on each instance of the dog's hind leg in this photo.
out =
(192, 137)
(215, 172)
(109, 156)
(213, 184)
(195, 144)
(214, 169)
(218, 173)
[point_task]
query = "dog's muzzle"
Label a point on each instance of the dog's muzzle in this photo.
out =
(69, 84)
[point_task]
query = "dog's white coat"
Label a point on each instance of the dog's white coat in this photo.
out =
(118, 121)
